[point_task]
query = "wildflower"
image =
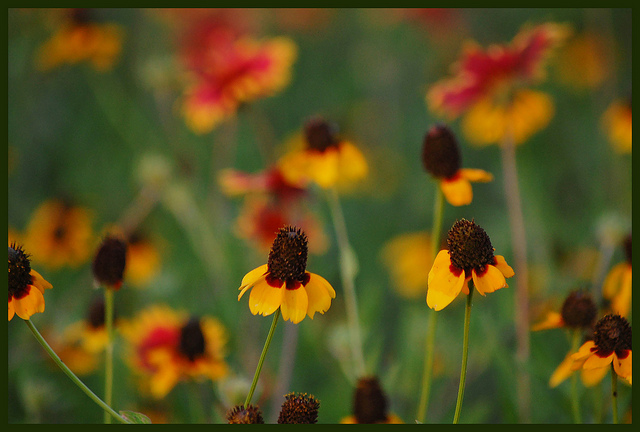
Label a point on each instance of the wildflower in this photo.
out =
(611, 344)
(166, 347)
(617, 123)
(60, 234)
(470, 256)
(26, 286)
(284, 282)
(81, 38)
(109, 262)
(441, 158)
(486, 87)
(299, 408)
(322, 158)
(578, 311)
(231, 70)
(405, 257)
(370, 405)
(582, 62)
(142, 260)
(617, 285)
(239, 415)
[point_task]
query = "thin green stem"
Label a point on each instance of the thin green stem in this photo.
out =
(276, 315)
(465, 355)
(575, 399)
(348, 270)
(431, 333)
(71, 375)
(108, 363)
(614, 394)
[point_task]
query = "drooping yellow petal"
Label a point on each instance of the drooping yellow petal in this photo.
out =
(552, 320)
(623, 367)
(294, 304)
(352, 165)
(255, 274)
(39, 282)
(611, 284)
(264, 298)
(582, 355)
(29, 304)
(502, 265)
(323, 167)
(12, 310)
(319, 294)
(443, 285)
(457, 191)
(591, 377)
(595, 361)
(621, 302)
(476, 175)
(562, 372)
(492, 280)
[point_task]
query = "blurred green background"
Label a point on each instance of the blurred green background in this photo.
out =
(79, 133)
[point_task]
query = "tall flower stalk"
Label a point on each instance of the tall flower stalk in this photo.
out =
(465, 356)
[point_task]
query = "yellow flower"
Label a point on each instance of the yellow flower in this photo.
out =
(611, 344)
(321, 158)
(578, 311)
(617, 285)
(59, 234)
(370, 405)
(166, 347)
(470, 256)
(143, 260)
(589, 377)
(26, 286)
(441, 158)
(617, 123)
(284, 282)
(406, 257)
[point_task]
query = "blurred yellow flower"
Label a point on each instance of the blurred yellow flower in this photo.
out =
(617, 124)
(143, 260)
(408, 257)
(617, 285)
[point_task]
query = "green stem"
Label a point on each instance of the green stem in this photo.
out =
(465, 355)
(108, 364)
(431, 333)
(276, 315)
(71, 375)
(348, 269)
(575, 400)
(614, 394)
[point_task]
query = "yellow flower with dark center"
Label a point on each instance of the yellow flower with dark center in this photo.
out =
(441, 158)
(611, 344)
(239, 415)
(284, 282)
(470, 256)
(370, 405)
(59, 234)
(166, 347)
(617, 123)
(26, 286)
(617, 285)
(299, 408)
(324, 159)
(578, 311)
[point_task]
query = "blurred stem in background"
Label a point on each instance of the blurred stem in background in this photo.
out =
(575, 399)
(107, 409)
(521, 295)
(465, 355)
(431, 332)
(108, 363)
(348, 271)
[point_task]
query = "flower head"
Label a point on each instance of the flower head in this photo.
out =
(241, 415)
(166, 347)
(299, 408)
(441, 158)
(60, 234)
(109, 262)
(617, 285)
(617, 123)
(284, 282)
(405, 256)
(578, 311)
(26, 286)
(486, 84)
(323, 158)
(370, 404)
(611, 344)
(470, 256)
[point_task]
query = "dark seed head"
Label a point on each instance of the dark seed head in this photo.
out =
(579, 310)
(288, 255)
(239, 415)
(299, 408)
(612, 334)
(110, 261)
(319, 134)
(440, 153)
(469, 246)
(192, 342)
(370, 402)
(19, 272)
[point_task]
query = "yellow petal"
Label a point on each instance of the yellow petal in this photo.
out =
(443, 285)
(323, 167)
(252, 277)
(29, 304)
(352, 165)
(319, 294)
(582, 355)
(595, 361)
(457, 191)
(591, 377)
(264, 298)
(552, 320)
(39, 282)
(611, 284)
(492, 280)
(502, 265)
(476, 175)
(621, 302)
(562, 372)
(12, 311)
(623, 367)
(294, 304)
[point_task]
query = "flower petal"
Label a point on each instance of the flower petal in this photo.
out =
(252, 277)
(595, 361)
(501, 264)
(29, 304)
(319, 293)
(552, 320)
(591, 377)
(621, 302)
(491, 280)
(264, 298)
(39, 282)
(12, 310)
(443, 285)
(622, 366)
(457, 190)
(476, 175)
(294, 305)
(562, 372)
(585, 351)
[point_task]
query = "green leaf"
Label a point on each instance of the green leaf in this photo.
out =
(135, 417)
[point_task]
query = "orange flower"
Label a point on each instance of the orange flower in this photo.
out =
(617, 123)
(26, 286)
